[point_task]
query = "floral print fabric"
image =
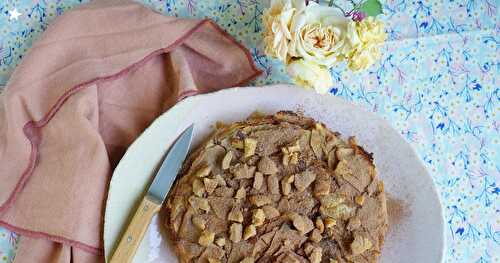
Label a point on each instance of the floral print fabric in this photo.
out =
(437, 83)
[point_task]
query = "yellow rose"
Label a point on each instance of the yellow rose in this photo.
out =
(364, 57)
(318, 34)
(277, 21)
(310, 75)
(371, 30)
(364, 39)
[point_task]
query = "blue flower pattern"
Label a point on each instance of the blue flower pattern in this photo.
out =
(437, 83)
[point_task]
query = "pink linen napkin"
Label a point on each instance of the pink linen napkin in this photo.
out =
(88, 87)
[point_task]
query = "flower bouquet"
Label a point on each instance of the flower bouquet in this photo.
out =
(310, 38)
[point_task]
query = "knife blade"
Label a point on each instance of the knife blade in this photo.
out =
(152, 201)
(170, 167)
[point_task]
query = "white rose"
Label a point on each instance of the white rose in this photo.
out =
(363, 57)
(352, 37)
(310, 75)
(318, 34)
(277, 21)
(364, 39)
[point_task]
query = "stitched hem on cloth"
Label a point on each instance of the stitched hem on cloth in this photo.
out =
(32, 130)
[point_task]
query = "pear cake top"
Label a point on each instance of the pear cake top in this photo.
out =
(277, 188)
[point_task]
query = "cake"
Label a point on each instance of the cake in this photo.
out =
(277, 188)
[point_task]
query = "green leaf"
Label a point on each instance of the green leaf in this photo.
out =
(371, 7)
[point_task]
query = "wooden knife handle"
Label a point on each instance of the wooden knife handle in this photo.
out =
(132, 237)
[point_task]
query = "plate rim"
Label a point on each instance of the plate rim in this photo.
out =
(203, 96)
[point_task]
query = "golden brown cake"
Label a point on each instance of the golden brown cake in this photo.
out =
(279, 188)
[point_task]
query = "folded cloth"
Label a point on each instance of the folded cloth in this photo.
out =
(87, 88)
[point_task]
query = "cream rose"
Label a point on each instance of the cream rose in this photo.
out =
(318, 34)
(310, 75)
(277, 21)
(364, 39)
(362, 58)
(371, 30)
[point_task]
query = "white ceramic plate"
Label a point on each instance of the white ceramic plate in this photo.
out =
(416, 231)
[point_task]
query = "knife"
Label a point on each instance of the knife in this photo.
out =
(152, 201)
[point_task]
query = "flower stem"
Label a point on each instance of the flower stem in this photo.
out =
(355, 7)
(330, 3)
(337, 6)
